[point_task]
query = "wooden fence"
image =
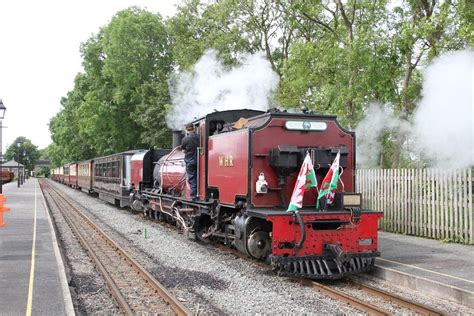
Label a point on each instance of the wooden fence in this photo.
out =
(431, 203)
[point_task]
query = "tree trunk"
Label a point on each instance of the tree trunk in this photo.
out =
(403, 109)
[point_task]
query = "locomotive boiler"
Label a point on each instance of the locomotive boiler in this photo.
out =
(248, 162)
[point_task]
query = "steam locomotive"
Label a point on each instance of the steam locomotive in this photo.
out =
(248, 162)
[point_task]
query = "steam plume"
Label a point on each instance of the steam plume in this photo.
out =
(211, 86)
(378, 120)
(443, 127)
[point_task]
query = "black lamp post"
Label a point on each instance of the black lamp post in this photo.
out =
(18, 145)
(24, 166)
(2, 116)
(26, 173)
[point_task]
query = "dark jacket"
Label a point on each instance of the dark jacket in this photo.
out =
(190, 144)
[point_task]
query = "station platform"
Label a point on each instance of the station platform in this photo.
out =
(32, 276)
(443, 270)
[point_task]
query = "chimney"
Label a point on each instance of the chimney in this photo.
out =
(177, 138)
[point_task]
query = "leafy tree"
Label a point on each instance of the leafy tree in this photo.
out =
(197, 27)
(422, 30)
(231, 27)
(465, 12)
(341, 60)
(65, 126)
(55, 154)
(26, 153)
(108, 109)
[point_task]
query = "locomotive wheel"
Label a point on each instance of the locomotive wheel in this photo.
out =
(259, 244)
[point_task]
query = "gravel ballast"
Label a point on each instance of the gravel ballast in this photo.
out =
(209, 280)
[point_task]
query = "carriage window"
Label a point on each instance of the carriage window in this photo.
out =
(117, 169)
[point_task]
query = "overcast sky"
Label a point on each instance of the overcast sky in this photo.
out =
(39, 56)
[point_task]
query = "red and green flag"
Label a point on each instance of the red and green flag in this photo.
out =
(306, 179)
(329, 184)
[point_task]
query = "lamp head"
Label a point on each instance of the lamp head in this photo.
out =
(2, 110)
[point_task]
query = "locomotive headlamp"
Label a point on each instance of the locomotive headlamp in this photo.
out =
(347, 200)
(365, 241)
(351, 200)
(261, 185)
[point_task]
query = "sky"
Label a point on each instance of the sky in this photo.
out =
(39, 56)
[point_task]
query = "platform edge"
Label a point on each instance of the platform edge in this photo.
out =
(425, 286)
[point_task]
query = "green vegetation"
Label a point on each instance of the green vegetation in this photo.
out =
(26, 154)
(335, 57)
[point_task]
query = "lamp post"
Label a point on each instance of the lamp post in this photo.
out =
(24, 167)
(2, 116)
(26, 173)
(18, 144)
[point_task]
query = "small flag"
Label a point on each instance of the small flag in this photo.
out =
(306, 179)
(329, 184)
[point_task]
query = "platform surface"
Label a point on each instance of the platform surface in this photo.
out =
(444, 270)
(31, 281)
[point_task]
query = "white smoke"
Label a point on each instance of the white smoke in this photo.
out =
(212, 86)
(378, 120)
(443, 122)
(442, 125)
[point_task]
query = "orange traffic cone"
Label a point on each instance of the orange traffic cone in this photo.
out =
(2, 209)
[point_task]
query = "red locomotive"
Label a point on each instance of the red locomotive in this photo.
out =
(248, 162)
(247, 167)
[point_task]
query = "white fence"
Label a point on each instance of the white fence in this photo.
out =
(431, 203)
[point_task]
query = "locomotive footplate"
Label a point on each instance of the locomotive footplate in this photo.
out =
(323, 267)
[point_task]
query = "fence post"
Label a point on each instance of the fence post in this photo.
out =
(469, 201)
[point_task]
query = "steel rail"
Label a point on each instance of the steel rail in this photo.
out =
(370, 309)
(108, 279)
(396, 299)
(175, 305)
(361, 305)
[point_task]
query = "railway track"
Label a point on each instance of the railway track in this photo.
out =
(134, 289)
(411, 306)
(385, 298)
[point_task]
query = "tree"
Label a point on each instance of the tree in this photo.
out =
(197, 27)
(341, 60)
(108, 109)
(231, 27)
(422, 30)
(26, 153)
(55, 154)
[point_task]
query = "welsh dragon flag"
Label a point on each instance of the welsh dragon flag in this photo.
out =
(329, 184)
(306, 179)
